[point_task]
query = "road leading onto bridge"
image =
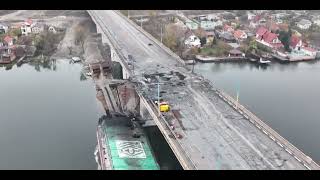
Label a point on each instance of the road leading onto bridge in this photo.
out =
(214, 135)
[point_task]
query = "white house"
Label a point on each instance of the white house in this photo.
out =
(192, 41)
(304, 24)
(250, 16)
(207, 25)
(212, 17)
(52, 29)
(37, 28)
(26, 27)
(3, 29)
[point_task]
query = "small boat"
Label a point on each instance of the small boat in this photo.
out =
(75, 59)
(264, 61)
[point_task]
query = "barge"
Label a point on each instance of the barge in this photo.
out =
(123, 145)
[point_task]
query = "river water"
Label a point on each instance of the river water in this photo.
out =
(285, 96)
(48, 117)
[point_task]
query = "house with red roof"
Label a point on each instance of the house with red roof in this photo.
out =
(260, 32)
(296, 43)
(240, 35)
(267, 38)
(228, 28)
(7, 52)
(8, 40)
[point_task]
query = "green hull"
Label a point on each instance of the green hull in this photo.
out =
(123, 151)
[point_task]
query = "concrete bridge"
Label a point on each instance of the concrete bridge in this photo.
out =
(206, 129)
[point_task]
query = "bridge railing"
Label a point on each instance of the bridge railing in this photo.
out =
(282, 142)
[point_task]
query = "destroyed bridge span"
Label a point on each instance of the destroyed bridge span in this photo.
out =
(206, 128)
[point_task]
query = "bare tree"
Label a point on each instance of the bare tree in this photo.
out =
(173, 37)
(80, 35)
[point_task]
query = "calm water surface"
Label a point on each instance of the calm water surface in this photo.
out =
(285, 96)
(48, 118)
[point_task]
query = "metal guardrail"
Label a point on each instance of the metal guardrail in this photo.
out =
(282, 142)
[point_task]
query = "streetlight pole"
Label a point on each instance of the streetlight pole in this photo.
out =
(159, 98)
(238, 89)
(141, 21)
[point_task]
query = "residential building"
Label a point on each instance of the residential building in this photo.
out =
(192, 25)
(8, 41)
(52, 29)
(296, 43)
(37, 28)
(228, 28)
(250, 15)
(262, 21)
(267, 38)
(213, 17)
(217, 23)
(240, 35)
(227, 37)
(192, 41)
(304, 24)
(26, 27)
(207, 25)
(3, 29)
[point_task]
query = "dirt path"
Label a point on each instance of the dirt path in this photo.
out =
(68, 43)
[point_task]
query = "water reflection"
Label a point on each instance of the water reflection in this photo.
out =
(45, 63)
(48, 117)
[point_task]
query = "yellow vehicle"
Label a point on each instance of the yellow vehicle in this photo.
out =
(164, 107)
